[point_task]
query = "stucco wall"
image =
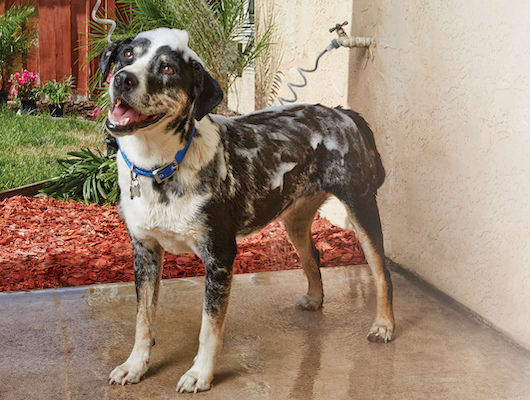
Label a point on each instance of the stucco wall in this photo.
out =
(447, 95)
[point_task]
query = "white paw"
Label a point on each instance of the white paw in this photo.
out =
(381, 332)
(310, 303)
(193, 382)
(128, 372)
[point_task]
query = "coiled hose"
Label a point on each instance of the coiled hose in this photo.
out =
(103, 21)
(333, 45)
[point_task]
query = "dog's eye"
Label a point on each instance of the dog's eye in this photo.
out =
(168, 70)
(128, 54)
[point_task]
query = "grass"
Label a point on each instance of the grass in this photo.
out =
(30, 145)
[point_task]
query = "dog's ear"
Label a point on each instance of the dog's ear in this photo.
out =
(208, 92)
(108, 57)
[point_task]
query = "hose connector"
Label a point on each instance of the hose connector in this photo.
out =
(333, 45)
(355, 41)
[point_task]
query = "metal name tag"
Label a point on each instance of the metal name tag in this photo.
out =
(135, 186)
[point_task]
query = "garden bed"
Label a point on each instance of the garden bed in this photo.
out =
(46, 243)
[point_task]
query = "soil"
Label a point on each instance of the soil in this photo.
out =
(47, 243)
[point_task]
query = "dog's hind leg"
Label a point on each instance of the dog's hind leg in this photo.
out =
(147, 273)
(364, 215)
(297, 221)
(217, 255)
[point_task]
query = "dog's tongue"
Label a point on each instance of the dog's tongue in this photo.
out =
(122, 111)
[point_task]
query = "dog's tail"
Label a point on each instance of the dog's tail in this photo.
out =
(368, 135)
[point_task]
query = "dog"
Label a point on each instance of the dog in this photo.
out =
(191, 181)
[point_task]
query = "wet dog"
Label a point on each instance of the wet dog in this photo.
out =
(191, 181)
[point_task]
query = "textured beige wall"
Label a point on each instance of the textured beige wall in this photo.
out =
(448, 96)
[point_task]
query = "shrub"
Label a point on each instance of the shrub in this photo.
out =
(87, 176)
(215, 29)
(57, 91)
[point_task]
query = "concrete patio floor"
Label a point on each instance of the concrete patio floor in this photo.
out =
(62, 344)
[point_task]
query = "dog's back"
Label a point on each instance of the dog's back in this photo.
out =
(281, 154)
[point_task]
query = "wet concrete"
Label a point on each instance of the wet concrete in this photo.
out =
(63, 344)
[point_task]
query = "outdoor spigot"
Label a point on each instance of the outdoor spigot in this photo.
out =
(338, 28)
(349, 41)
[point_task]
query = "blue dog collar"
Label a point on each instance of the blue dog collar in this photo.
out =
(164, 172)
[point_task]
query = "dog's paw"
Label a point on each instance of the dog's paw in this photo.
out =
(193, 382)
(381, 332)
(309, 303)
(128, 372)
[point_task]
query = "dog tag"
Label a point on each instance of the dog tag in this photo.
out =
(135, 186)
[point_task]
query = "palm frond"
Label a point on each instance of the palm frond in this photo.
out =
(214, 28)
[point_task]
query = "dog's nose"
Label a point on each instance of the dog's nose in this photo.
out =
(125, 81)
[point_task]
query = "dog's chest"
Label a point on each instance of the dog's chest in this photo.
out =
(175, 222)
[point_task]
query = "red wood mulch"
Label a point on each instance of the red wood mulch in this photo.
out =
(45, 243)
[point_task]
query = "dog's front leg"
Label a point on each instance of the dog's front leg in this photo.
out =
(147, 272)
(217, 261)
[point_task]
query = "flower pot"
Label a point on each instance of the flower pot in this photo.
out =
(56, 110)
(27, 106)
(3, 98)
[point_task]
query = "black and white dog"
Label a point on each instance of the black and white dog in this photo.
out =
(194, 182)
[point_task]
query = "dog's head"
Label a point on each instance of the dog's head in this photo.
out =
(158, 80)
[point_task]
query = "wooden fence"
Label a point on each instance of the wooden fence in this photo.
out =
(62, 28)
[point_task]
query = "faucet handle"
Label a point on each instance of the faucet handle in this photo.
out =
(338, 27)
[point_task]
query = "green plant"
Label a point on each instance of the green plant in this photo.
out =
(215, 29)
(15, 41)
(87, 176)
(57, 91)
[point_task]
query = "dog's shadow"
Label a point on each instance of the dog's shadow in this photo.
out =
(159, 366)
(224, 375)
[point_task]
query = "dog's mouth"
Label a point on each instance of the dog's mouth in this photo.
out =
(124, 118)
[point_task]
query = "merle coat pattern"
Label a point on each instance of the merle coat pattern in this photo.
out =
(239, 174)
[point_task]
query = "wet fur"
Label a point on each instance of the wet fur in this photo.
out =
(239, 174)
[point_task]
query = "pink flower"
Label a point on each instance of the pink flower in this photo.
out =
(95, 113)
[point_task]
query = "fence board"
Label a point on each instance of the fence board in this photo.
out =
(79, 32)
(63, 39)
(46, 40)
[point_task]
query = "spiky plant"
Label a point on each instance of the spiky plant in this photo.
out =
(87, 177)
(215, 28)
(15, 41)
